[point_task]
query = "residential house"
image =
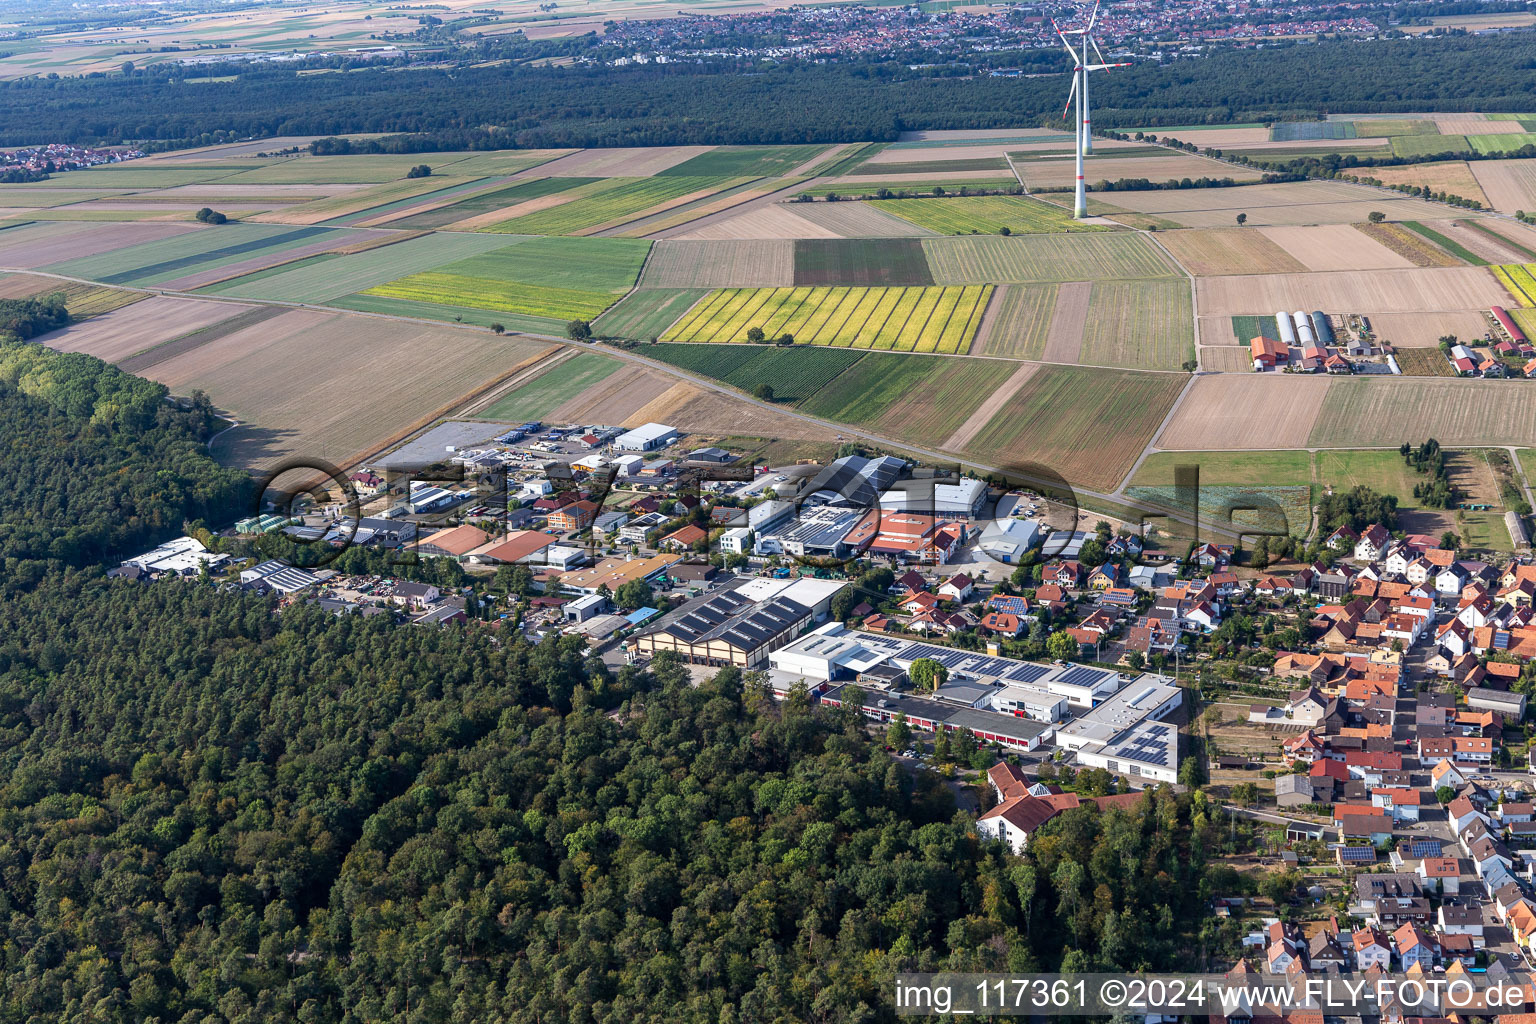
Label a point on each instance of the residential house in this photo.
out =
(1371, 950)
(1414, 947)
(1372, 545)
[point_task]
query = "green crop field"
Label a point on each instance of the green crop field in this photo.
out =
(1366, 411)
(1023, 321)
(959, 215)
(608, 203)
(139, 176)
(1238, 469)
(1086, 423)
(1374, 129)
(1517, 278)
(1430, 145)
(1501, 143)
(450, 188)
(363, 302)
(1246, 328)
(647, 313)
(794, 374)
(990, 259)
(896, 319)
(179, 255)
(1145, 325)
(1450, 245)
(486, 202)
(861, 261)
(745, 161)
(866, 391)
(559, 278)
(552, 388)
(355, 272)
(862, 188)
(488, 293)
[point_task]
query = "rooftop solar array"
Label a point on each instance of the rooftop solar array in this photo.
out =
(733, 618)
(1085, 676)
(1357, 854)
(1027, 672)
(1422, 848)
(1147, 743)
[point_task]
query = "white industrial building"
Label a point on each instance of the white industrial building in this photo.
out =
(959, 500)
(1006, 540)
(1125, 734)
(179, 556)
(825, 654)
(813, 593)
(734, 541)
(647, 438)
(1031, 702)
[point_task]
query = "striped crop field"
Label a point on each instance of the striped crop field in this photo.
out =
(962, 215)
(794, 374)
(914, 319)
(1022, 259)
(1517, 278)
(486, 293)
(609, 203)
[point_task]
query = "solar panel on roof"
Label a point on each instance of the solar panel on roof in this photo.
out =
(1084, 676)
(1358, 854)
(1027, 672)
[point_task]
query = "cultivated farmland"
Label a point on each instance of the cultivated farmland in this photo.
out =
(1454, 176)
(486, 202)
(356, 272)
(1088, 425)
(1506, 142)
(41, 245)
(959, 215)
(868, 391)
(676, 263)
(170, 258)
(1415, 248)
(563, 381)
(861, 261)
(1143, 325)
(1018, 322)
(990, 259)
(116, 335)
(1415, 290)
(359, 201)
(559, 278)
(647, 313)
(82, 300)
(854, 220)
(610, 203)
(1265, 411)
(337, 386)
(1334, 247)
(897, 319)
(745, 161)
(1365, 412)
(794, 375)
(1508, 185)
(1207, 252)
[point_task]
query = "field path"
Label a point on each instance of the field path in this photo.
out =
(989, 408)
(1064, 343)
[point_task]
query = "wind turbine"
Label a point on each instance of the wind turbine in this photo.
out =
(1082, 129)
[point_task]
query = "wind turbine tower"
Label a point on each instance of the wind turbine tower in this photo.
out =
(1082, 127)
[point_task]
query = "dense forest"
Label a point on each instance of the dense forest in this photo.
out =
(217, 810)
(95, 463)
(510, 106)
(208, 813)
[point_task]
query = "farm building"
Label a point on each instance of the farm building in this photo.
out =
(646, 438)
(1322, 328)
(1268, 353)
(1287, 328)
(1510, 327)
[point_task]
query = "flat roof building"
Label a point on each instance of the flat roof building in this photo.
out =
(727, 629)
(646, 438)
(1125, 734)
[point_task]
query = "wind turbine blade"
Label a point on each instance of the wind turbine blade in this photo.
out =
(1094, 17)
(1065, 111)
(1097, 52)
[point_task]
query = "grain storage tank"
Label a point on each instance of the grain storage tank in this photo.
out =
(1323, 328)
(1287, 330)
(1304, 329)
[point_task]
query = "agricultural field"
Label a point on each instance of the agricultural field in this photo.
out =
(1454, 176)
(1273, 510)
(860, 261)
(118, 334)
(1088, 425)
(851, 220)
(1506, 142)
(745, 161)
(1359, 412)
(895, 319)
(1231, 469)
(1208, 252)
(990, 259)
(1431, 145)
(1507, 185)
(610, 203)
(355, 272)
(1225, 359)
(795, 376)
(34, 246)
(1329, 248)
(1145, 325)
(910, 397)
(337, 386)
(1518, 279)
(1440, 234)
(563, 381)
(960, 215)
(1417, 249)
(485, 202)
(1018, 322)
(675, 263)
(1373, 128)
(647, 312)
(359, 202)
(1260, 411)
(929, 168)
(1424, 330)
(1415, 290)
(82, 300)
(621, 161)
(557, 278)
(208, 249)
(1291, 203)
(1157, 166)
(1423, 362)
